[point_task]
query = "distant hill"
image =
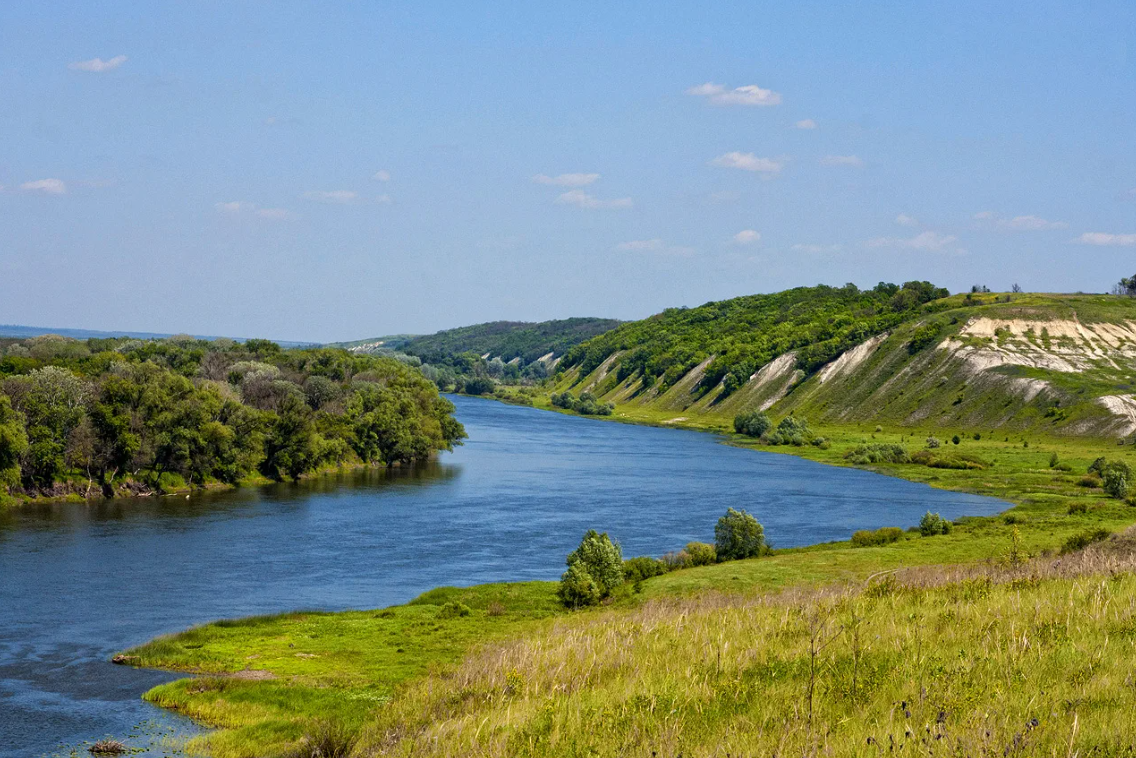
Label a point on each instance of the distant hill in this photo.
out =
(507, 340)
(16, 331)
(1064, 363)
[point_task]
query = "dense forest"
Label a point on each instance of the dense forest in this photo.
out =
(118, 415)
(476, 359)
(745, 333)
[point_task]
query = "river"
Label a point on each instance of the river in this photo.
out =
(80, 582)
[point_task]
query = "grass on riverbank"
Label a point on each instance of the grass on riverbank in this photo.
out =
(346, 667)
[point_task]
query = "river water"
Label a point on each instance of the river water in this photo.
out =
(80, 582)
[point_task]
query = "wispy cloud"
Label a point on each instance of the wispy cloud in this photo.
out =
(929, 240)
(333, 197)
(243, 208)
(746, 237)
(580, 199)
(806, 123)
(98, 65)
(382, 175)
(904, 220)
(842, 160)
(46, 186)
(750, 94)
(1019, 223)
(566, 180)
(1104, 239)
(749, 162)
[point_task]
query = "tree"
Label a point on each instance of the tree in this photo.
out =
(933, 524)
(1017, 288)
(1126, 286)
(13, 443)
(53, 400)
(738, 535)
(597, 559)
(752, 424)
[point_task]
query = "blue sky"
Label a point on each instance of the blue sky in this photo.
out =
(322, 171)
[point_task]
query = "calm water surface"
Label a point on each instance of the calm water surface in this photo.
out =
(78, 582)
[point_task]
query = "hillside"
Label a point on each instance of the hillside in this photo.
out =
(1060, 364)
(508, 340)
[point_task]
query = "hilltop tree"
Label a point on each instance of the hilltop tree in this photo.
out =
(1126, 286)
(597, 563)
(738, 535)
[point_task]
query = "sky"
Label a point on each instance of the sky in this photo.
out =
(332, 171)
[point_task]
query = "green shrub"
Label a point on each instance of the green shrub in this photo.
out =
(676, 560)
(1084, 539)
(959, 461)
(595, 568)
(932, 443)
(923, 336)
(1075, 508)
(1115, 479)
(1092, 480)
(933, 524)
(883, 536)
(956, 439)
(701, 553)
(878, 453)
(453, 610)
(642, 567)
(738, 535)
(752, 424)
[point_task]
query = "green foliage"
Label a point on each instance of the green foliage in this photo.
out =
(453, 610)
(595, 568)
(790, 431)
(586, 404)
(877, 453)
(933, 524)
(883, 536)
(642, 567)
(738, 535)
(1115, 481)
(170, 412)
(1084, 539)
(924, 336)
(958, 461)
(701, 554)
(746, 333)
(752, 423)
(933, 442)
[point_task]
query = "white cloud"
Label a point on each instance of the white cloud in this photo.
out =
(749, 94)
(566, 180)
(383, 199)
(98, 65)
(1106, 239)
(806, 123)
(382, 176)
(747, 237)
(46, 186)
(334, 197)
(929, 240)
(904, 220)
(842, 160)
(581, 199)
(640, 245)
(1019, 223)
(241, 207)
(748, 162)
(801, 248)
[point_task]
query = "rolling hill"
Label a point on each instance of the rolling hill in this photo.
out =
(1063, 364)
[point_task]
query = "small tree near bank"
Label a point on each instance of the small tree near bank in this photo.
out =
(595, 568)
(738, 535)
(752, 424)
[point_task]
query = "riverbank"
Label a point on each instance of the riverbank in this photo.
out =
(348, 667)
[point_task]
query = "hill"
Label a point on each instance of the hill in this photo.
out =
(508, 340)
(1062, 364)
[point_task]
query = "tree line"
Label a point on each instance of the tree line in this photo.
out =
(113, 415)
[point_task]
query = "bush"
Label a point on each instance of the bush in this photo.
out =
(955, 440)
(933, 524)
(701, 553)
(675, 561)
(1084, 539)
(883, 536)
(932, 443)
(959, 461)
(877, 453)
(738, 535)
(327, 740)
(1092, 480)
(453, 610)
(1115, 480)
(1075, 508)
(643, 567)
(752, 424)
(586, 404)
(595, 568)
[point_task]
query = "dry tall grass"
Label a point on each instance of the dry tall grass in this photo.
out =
(1038, 659)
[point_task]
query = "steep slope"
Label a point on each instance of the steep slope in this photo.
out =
(1062, 363)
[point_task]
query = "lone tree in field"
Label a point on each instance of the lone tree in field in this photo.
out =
(595, 568)
(1126, 286)
(738, 535)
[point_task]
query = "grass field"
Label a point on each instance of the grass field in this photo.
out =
(271, 683)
